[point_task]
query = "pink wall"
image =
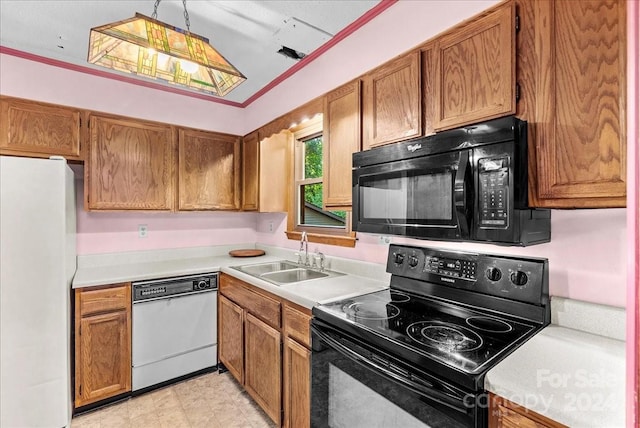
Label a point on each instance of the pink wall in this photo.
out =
(587, 253)
(112, 232)
(633, 217)
(23, 78)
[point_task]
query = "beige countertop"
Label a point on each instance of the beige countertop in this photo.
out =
(111, 269)
(571, 376)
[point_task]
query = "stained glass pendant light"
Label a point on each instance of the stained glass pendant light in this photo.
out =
(153, 49)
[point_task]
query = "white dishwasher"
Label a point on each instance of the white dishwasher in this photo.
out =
(174, 328)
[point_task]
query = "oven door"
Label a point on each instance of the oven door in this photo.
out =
(425, 197)
(353, 385)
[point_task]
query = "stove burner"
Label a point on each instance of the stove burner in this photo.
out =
(398, 297)
(492, 325)
(444, 336)
(371, 310)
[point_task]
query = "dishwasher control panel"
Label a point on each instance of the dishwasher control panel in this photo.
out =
(173, 287)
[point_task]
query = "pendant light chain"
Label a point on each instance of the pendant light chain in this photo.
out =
(187, 22)
(186, 16)
(155, 9)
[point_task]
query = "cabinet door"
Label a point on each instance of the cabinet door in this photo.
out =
(208, 171)
(263, 366)
(427, 58)
(391, 102)
(341, 138)
(275, 172)
(580, 115)
(505, 414)
(130, 165)
(231, 337)
(297, 387)
(36, 129)
(475, 70)
(250, 171)
(103, 364)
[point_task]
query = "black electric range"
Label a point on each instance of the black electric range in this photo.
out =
(447, 318)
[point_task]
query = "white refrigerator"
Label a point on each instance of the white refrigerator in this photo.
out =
(37, 264)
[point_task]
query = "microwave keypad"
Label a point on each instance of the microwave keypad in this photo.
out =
(494, 184)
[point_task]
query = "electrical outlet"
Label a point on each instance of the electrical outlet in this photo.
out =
(384, 240)
(142, 231)
(271, 227)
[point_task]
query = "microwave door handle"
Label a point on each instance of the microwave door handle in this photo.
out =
(423, 387)
(461, 194)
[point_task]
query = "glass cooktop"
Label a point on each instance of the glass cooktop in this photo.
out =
(455, 335)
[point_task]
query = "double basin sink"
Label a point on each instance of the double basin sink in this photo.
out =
(284, 272)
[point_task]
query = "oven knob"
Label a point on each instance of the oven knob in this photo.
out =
(399, 258)
(494, 274)
(519, 278)
(413, 261)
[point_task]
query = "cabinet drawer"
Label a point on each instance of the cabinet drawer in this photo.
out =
(261, 306)
(93, 300)
(296, 325)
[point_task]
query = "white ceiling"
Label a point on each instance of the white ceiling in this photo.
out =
(248, 33)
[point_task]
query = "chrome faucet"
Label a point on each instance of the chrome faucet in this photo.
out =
(304, 244)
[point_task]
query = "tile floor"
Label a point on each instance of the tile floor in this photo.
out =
(209, 401)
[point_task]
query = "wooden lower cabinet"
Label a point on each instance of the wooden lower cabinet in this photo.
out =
(231, 337)
(505, 414)
(297, 366)
(102, 343)
(250, 342)
(264, 341)
(297, 384)
(262, 365)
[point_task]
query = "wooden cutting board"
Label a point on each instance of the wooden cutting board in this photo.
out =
(246, 253)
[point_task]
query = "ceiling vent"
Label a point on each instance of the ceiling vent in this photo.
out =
(291, 53)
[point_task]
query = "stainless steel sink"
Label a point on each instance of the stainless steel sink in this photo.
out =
(293, 275)
(262, 268)
(284, 272)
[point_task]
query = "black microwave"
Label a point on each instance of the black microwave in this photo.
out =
(465, 184)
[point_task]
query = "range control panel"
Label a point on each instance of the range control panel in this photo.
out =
(494, 192)
(455, 268)
(516, 278)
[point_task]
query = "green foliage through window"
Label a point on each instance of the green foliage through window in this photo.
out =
(312, 193)
(313, 158)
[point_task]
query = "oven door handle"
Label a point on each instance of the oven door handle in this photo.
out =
(419, 388)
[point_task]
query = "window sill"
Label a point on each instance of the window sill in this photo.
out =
(338, 240)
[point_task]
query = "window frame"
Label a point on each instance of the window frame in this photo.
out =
(324, 235)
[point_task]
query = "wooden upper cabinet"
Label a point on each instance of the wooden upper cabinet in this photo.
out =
(475, 70)
(29, 128)
(208, 171)
(276, 163)
(341, 138)
(581, 110)
(130, 165)
(391, 102)
(250, 171)
(427, 59)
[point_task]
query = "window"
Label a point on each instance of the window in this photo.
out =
(307, 213)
